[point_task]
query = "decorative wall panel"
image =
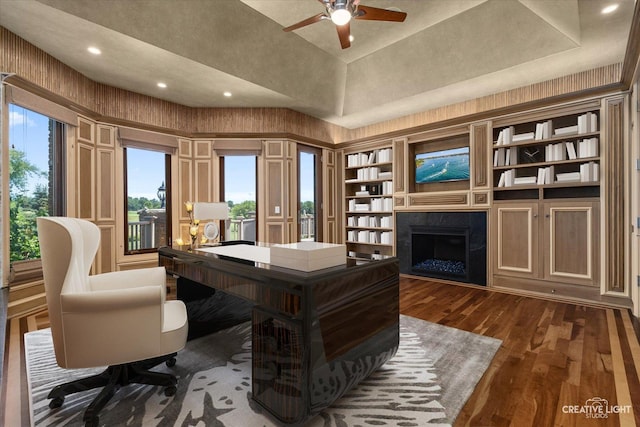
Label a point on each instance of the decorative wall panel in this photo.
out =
(105, 136)
(399, 166)
(105, 188)
(184, 147)
(202, 149)
(185, 186)
(274, 181)
(106, 257)
(85, 130)
(614, 192)
(274, 149)
(478, 150)
(85, 181)
(203, 181)
(438, 200)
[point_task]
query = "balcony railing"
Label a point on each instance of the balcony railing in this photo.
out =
(142, 235)
(245, 228)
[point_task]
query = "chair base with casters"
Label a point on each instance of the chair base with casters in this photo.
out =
(111, 379)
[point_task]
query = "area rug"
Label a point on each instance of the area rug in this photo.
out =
(427, 382)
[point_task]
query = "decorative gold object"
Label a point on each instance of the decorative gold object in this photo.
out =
(194, 225)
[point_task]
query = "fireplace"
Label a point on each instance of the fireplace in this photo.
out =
(443, 245)
(441, 252)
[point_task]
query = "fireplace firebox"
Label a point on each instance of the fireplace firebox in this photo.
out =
(443, 245)
(441, 252)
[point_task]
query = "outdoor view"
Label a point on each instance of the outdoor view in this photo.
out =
(31, 178)
(240, 195)
(146, 195)
(32, 184)
(306, 193)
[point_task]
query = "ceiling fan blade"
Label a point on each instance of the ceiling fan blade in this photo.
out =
(308, 21)
(377, 14)
(343, 34)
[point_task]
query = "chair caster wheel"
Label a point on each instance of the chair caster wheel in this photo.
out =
(56, 402)
(91, 422)
(171, 362)
(170, 390)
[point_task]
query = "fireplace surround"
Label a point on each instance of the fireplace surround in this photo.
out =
(443, 245)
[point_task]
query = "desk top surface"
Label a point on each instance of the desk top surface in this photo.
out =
(245, 257)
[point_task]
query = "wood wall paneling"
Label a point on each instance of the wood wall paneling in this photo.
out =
(184, 148)
(340, 232)
(105, 189)
(481, 199)
(613, 154)
(516, 239)
(289, 190)
(400, 165)
(275, 232)
(203, 181)
(329, 198)
(85, 181)
(291, 149)
(202, 149)
(85, 130)
(105, 136)
(572, 243)
(106, 257)
(274, 180)
(185, 186)
(479, 155)
(442, 199)
(274, 149)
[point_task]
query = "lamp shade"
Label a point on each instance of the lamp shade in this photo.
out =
(204, 211)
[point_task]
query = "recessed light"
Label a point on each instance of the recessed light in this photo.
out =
(94, 50)
(610, 8)
(162, 85)
(227, 94)
(351, 38)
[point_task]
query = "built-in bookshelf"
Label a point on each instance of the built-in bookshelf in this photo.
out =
(546, 193)
(369, 220)
(550, 158)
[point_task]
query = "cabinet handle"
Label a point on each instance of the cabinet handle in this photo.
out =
(547, 216)
(535, 215)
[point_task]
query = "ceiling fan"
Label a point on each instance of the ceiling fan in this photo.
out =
(342, 11)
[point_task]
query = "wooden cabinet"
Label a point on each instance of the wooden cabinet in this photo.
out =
(516, 239)
(546, 190)
(556, 241)
(369, 203)
(571, 242)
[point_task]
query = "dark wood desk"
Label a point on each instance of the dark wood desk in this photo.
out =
(315, 334)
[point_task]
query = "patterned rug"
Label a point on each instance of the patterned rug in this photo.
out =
(429, 380)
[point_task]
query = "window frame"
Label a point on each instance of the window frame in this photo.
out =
(168, 199)
(28, 270)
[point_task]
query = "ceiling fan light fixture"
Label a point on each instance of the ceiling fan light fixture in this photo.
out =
(340, 16)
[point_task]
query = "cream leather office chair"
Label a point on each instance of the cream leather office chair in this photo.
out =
(120, 319)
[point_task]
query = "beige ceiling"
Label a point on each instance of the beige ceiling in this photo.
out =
(445, 52)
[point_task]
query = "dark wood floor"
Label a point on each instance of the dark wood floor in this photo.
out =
(554, 356)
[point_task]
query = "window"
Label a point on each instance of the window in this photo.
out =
(147, 200)
(239, 191)
(309, 193)
(36, 177)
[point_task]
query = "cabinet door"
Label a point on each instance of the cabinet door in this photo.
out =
(516, 239)
(572, 242)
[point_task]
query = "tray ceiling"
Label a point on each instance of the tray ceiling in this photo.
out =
(446, 51)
